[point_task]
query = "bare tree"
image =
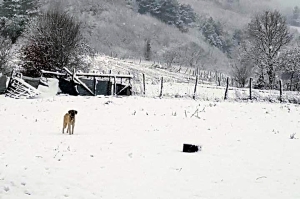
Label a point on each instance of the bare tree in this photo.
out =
(54, 41)
(289, 63)
(148, 50)
(268, 33)
(171, 56)
(242, 68)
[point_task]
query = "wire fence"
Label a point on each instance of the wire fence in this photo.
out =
(206, 90)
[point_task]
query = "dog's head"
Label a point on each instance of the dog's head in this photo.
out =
(72, 113)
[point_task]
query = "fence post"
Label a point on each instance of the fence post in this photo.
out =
(195, 89)
(129, 78)
(95, 85)
(115, 85)
(161, 87)
(144, 84)
(109, 86)
(250, 88)
(280, 87)
(226, 91)
(74, 74)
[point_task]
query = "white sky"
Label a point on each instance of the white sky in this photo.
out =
(289, 3)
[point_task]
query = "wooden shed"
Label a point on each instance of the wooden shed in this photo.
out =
(88, 84)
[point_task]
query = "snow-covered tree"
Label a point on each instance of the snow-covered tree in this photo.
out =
(14, 16)
(54, 41)
(289, 62)
(242, 66)
(169, 11)
(187, 14)
(216, 36)
(268, 33)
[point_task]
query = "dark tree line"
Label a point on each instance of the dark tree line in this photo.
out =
(169, 11)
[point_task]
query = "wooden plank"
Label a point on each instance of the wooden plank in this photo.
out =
(79, 81)
(53, 73)
(105, 75)
(90, 74)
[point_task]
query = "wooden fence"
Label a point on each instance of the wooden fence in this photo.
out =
(226, 89)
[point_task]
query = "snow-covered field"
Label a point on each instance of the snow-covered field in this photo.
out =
(131, 147)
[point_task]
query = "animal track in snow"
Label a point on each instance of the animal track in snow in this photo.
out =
(6, 188)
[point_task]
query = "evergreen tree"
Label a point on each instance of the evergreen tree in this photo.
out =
(213, 33)
(168, 11)
(187, 14)
(145, 6)
(15, 15)
(296, 16)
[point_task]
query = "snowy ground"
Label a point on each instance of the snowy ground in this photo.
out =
(130, 147)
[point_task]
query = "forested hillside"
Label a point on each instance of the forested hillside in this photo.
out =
(204, 35)
(193, 33)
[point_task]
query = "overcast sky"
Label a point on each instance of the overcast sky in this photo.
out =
(290, 3)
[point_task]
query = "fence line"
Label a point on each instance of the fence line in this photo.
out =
(200, 91)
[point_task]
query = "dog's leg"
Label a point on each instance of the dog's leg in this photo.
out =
(69, 128)
(64, 126)
(73, 128)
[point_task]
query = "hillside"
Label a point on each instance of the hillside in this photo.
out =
(115, 28)
(233, 14)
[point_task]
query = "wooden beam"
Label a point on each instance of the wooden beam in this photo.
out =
(90, 74)
(79, 81)
(53, 73)
(105, 75)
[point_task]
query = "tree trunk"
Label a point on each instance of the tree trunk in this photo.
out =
(291, 80)
(271, 75)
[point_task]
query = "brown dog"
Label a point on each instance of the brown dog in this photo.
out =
(69, 120)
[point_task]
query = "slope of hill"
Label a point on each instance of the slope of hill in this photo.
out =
(115, 28)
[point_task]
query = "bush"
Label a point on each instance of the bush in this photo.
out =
(5, 47)
(54, 41)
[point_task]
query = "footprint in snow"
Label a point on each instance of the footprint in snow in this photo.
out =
(27, 192)
(6, 188)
